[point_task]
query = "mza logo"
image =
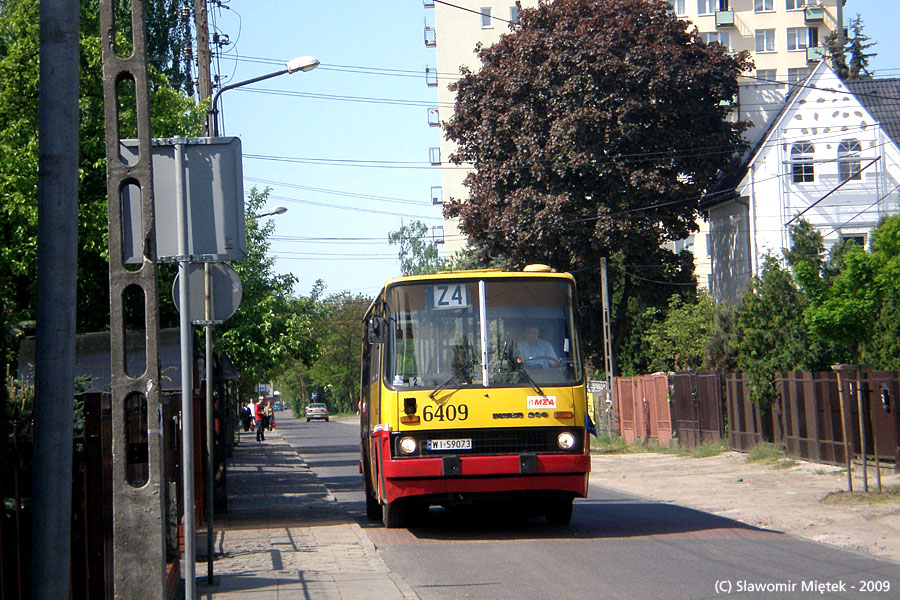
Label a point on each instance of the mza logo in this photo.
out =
(536, 402)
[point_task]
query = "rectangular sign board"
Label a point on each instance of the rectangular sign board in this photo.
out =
(214, 191)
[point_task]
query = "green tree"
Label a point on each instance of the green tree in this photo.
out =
(846, 311)
(336, 371)
(838, 48)
(835, 50)
(771, 335)
(882, 347)
(721, 353)
(418, 251)
(857, 47)
(679, 341)
(589, 127)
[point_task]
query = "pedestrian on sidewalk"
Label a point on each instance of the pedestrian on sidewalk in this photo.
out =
(269, 414)
(260, 420)
(246, 416)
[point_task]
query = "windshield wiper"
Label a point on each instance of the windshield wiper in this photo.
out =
(519, 367)
(460, 371)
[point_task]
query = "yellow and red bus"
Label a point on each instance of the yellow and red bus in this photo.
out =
(473, 388)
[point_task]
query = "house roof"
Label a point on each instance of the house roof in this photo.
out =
(92, 359)
(724, 189)
(881, 97)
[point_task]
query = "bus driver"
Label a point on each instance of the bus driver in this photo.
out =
(535, 352)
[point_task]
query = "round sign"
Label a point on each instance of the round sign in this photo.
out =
(224, 299)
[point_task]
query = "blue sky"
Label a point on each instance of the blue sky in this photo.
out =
(345, 147)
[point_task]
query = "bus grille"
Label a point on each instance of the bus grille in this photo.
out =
(486, 442)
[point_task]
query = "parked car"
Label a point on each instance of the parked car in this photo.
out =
(316, 410)
(278, 406)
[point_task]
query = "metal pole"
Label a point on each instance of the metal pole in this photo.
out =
(56, 293)
(848, 458)
(862, 431)
(607, 330)
(187, 408)
(214, 105)
(874, 431)
(210, 464)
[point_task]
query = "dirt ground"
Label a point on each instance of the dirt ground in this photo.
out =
(791, 500)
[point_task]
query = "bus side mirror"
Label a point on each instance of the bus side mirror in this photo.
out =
(375, 330)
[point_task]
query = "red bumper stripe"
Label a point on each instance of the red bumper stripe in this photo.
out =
(479, 466)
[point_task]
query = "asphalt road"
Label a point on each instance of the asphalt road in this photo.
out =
(617, 546)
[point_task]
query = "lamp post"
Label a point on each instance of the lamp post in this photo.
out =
(275, 210)
(302, 63)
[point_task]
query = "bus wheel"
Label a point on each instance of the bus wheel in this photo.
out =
(373, 508)
(558, 511)
(394, 514)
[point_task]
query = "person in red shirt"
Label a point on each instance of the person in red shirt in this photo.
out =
(260, 420)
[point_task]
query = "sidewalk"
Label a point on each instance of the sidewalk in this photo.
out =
(285, 536)
(798, 499)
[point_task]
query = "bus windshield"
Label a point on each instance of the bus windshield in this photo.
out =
(492, 332)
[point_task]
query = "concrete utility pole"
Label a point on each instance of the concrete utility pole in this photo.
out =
(57, 253)
(139, 528)
(607, 329)
(204, 79)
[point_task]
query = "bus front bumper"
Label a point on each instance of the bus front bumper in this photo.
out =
(436, 476)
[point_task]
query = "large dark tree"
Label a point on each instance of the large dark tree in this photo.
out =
(594, 127)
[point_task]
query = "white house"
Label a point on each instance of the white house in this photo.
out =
(832, 156)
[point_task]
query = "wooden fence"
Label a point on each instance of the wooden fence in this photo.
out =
(92, 518)
(685, 406)
(806, 418)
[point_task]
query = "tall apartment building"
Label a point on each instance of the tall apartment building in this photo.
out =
(784, 37)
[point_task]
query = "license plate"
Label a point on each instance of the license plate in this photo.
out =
(465, 444)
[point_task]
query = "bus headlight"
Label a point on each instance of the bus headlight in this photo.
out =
(565, 440)
(407, 445)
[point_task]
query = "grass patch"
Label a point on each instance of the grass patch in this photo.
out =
(888, 494)
(765, 452)
(616, 445)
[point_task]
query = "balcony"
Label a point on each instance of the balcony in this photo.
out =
(430, 37)
(814, 14)
(428, 3)
(815, 53)
(725, 18)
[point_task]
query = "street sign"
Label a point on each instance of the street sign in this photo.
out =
(214, 191)
(226, 291)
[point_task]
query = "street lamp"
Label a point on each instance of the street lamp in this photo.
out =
(275, 210)
(301, 63)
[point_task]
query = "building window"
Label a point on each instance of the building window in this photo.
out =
(765, 40)
(486, 21)
(765, 76)
(812, 36)
(795, 4)
(721, 37)
(678, 6)
(707, 7)
(848, 160)
(802, 169)
(513, 14)
(854, 238)
(798, 75)
(797, 38)
(763, 5)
